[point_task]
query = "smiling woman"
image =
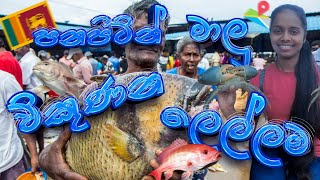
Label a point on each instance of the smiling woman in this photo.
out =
(288, 85)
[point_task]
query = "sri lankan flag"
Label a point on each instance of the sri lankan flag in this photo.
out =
(18, 27)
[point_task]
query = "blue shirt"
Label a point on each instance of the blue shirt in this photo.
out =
(175, 71)
(94, 64)
(100, 66)
(115, 62)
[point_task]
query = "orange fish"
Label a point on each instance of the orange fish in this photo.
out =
(185, 157)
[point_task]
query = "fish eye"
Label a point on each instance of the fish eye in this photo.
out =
(46, 63)
(205, 151)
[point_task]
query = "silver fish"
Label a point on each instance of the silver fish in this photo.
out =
(59, 78)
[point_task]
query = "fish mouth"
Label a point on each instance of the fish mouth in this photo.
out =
(216, 157)
(35, 68)
(37, 72)
(42, 76)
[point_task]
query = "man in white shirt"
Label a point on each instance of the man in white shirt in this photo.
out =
(215, 61)
(11, 150)
(163, 61)
(27, 62)
(30, 81)
(204, 63)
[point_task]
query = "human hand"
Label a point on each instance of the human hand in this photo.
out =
(52, 159)
(34, 164)
(226, 100)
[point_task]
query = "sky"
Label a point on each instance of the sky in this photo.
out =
(82, 11)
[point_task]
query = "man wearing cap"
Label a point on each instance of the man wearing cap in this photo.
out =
(27, 62)
(83, 68)
(94, 63)
(64, 60)
(44, 56)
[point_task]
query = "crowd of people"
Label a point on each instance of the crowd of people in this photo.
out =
(287, 83)
(83, 64)
(17, 74)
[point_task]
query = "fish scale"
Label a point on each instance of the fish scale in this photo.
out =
(88, 153)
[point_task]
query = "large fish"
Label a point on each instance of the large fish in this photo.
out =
(184, 157)
(59, 78)
(121, 143)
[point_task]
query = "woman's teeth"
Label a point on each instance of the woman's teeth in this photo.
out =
(285, 47)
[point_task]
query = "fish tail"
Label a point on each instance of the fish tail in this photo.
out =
(156, 174)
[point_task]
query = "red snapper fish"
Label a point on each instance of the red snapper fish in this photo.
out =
(185, 157)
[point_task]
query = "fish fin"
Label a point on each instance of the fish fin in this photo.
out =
(157, 173)
(74, 85)
(65, 67)
(186, 175)
(216, 168)
(80, 84)
(166, 152)
(124, 145)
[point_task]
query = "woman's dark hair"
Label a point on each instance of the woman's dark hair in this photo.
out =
(2, 45)
(307, 81)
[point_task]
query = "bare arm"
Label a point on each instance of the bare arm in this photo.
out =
(31, 140)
